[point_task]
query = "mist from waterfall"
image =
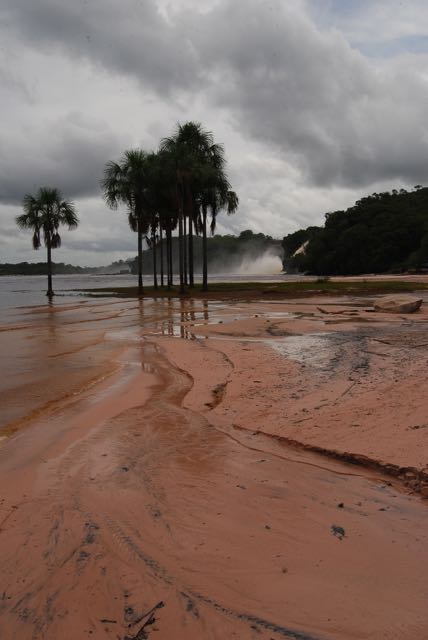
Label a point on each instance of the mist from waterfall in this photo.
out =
(266, 264)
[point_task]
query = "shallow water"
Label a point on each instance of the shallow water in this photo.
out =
(52, 352)
(17, 291)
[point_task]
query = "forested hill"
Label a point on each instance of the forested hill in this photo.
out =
(384, 232)
(39, 269)
(58, 268)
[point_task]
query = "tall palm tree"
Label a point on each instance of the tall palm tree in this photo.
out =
(126, 182)
(228, 202)
(188, 149)
(161, 203)
(185, 148)
(44, 213)
(214, 195)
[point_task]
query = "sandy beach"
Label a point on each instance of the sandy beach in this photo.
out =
(207, 469)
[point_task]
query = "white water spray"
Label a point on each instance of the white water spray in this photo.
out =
(266, 264)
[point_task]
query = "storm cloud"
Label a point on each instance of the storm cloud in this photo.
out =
(315, 107)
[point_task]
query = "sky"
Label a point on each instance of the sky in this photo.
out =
(317, 102)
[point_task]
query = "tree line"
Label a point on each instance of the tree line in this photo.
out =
(383, 232)
(181, 188)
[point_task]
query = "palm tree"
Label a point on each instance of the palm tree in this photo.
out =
(162, 205)
(126, 182)
(216, 197)
(213, 195)
(189, 149)
(185, 149)
(44, 213)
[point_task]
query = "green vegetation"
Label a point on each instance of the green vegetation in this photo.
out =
(59, 268)
(177, 187)
(41, 269)
(250, 290)
(384, 232)
(43, 214)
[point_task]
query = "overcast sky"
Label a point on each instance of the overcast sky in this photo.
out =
(316, 101)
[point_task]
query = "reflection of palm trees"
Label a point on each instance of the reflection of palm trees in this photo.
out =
(140, 311)
(170, 321)
(192, 310)
(183, 319)
(171, 327)
(187, 319)
(52, 324)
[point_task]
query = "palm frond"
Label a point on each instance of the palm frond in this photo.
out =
(232, 202)
(45, 213)
(67, 214)
(55, 241)
(36, 239)
(132, 221)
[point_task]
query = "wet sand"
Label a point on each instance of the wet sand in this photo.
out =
(153, 486)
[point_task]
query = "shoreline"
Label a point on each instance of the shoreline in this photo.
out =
(243, 290)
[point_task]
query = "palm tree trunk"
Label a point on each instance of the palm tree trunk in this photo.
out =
(170, 263)
(161, 254)
(204, 250)
(155, 275)
(191, 279)
(184, 249)
(49, 292)
(168, 256)
(180, 251)
(140, 258)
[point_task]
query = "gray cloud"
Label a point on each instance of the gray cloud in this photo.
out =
(131, 36)
(68, 153)
(309, 93)
(309, 122)
(283, 79)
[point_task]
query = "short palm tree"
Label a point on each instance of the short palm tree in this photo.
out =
(44, 213)
(126, 182)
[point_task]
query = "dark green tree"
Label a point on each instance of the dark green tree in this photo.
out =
(383, 232)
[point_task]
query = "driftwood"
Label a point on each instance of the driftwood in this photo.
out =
(336, 313)
(141, 633)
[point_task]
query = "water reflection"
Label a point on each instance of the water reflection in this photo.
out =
(185, 317)
(179, 318)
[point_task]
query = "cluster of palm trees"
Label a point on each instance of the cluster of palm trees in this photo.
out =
(175, 188)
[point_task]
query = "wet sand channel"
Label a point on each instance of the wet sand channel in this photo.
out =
(160, 498)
